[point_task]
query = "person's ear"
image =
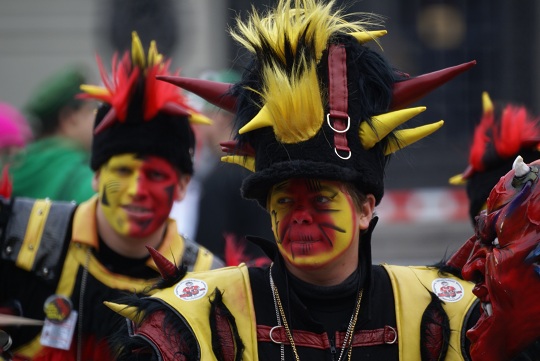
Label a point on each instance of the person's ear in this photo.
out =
(181, 187)
(366, 211)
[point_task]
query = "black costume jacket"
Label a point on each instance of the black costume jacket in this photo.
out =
(236, 318)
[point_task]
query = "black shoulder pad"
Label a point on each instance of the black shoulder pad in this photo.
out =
(35, 235)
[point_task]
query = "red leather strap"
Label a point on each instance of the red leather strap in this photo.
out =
(338, 118)
(380, 336)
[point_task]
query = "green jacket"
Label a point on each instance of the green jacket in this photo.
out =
(54, 168)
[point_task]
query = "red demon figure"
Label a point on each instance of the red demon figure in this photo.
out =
(504, 265)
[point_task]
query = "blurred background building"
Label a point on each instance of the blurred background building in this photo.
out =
(40, 37)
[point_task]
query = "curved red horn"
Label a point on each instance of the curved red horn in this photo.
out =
(175, 109)
(410, 90)
(167, 269)
(212, 91)
(231, 147)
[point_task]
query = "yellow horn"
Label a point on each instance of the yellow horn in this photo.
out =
(409, 136)
(95, 90)
(153, 55)
(365, 36)
(383, 124)
(261, 120)
(487, 104)
(137, 51)
(127, 311)
(197, 118)
(242, 160)
(457, 180)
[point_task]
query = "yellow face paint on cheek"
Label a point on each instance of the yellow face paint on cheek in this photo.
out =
(118, 178)
(314, 222)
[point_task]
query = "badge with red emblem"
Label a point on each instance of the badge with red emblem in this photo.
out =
(191, 289)
(447, 289)
(60, 321)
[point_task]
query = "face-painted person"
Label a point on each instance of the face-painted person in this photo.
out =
(316, 113)
(60, 261)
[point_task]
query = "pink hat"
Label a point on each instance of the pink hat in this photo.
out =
(14, 129)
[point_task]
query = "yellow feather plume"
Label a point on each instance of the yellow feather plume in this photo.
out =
(298, 29)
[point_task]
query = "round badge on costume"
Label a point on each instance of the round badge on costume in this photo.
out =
(190, 289)
(447, 289)
(57, 308)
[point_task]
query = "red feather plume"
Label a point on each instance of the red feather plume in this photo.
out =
(119, 86)
(506, 135)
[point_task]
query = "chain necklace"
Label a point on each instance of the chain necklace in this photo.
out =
(280, 315)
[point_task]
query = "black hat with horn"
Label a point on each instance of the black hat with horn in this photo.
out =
(315, 102)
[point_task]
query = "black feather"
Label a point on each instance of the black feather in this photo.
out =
(434, 331)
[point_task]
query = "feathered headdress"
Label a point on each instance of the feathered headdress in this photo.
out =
(315, 102)
(496, 142)
(139, 113)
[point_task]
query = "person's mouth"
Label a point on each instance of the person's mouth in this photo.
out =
(137, 211)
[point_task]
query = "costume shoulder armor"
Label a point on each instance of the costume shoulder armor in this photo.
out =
(415, 289)
(224, 291)
(34, 234)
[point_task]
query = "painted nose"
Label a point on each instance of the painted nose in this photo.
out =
(302, 216)
(137, 187)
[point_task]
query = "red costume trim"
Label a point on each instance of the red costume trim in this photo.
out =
(381, 336)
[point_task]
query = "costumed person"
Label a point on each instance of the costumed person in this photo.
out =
(316, 112)
(502, 259)
(505, 131)
(56, 164)
(59, 261)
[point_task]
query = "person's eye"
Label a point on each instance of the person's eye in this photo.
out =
(123, 171)
(284, 200)
(322, 199)
(157, 176)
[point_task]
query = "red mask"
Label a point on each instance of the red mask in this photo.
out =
(504, 266)
(136, 193)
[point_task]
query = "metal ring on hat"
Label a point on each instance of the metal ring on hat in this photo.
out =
(270, 334)
(334, 129)
(339, 155)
